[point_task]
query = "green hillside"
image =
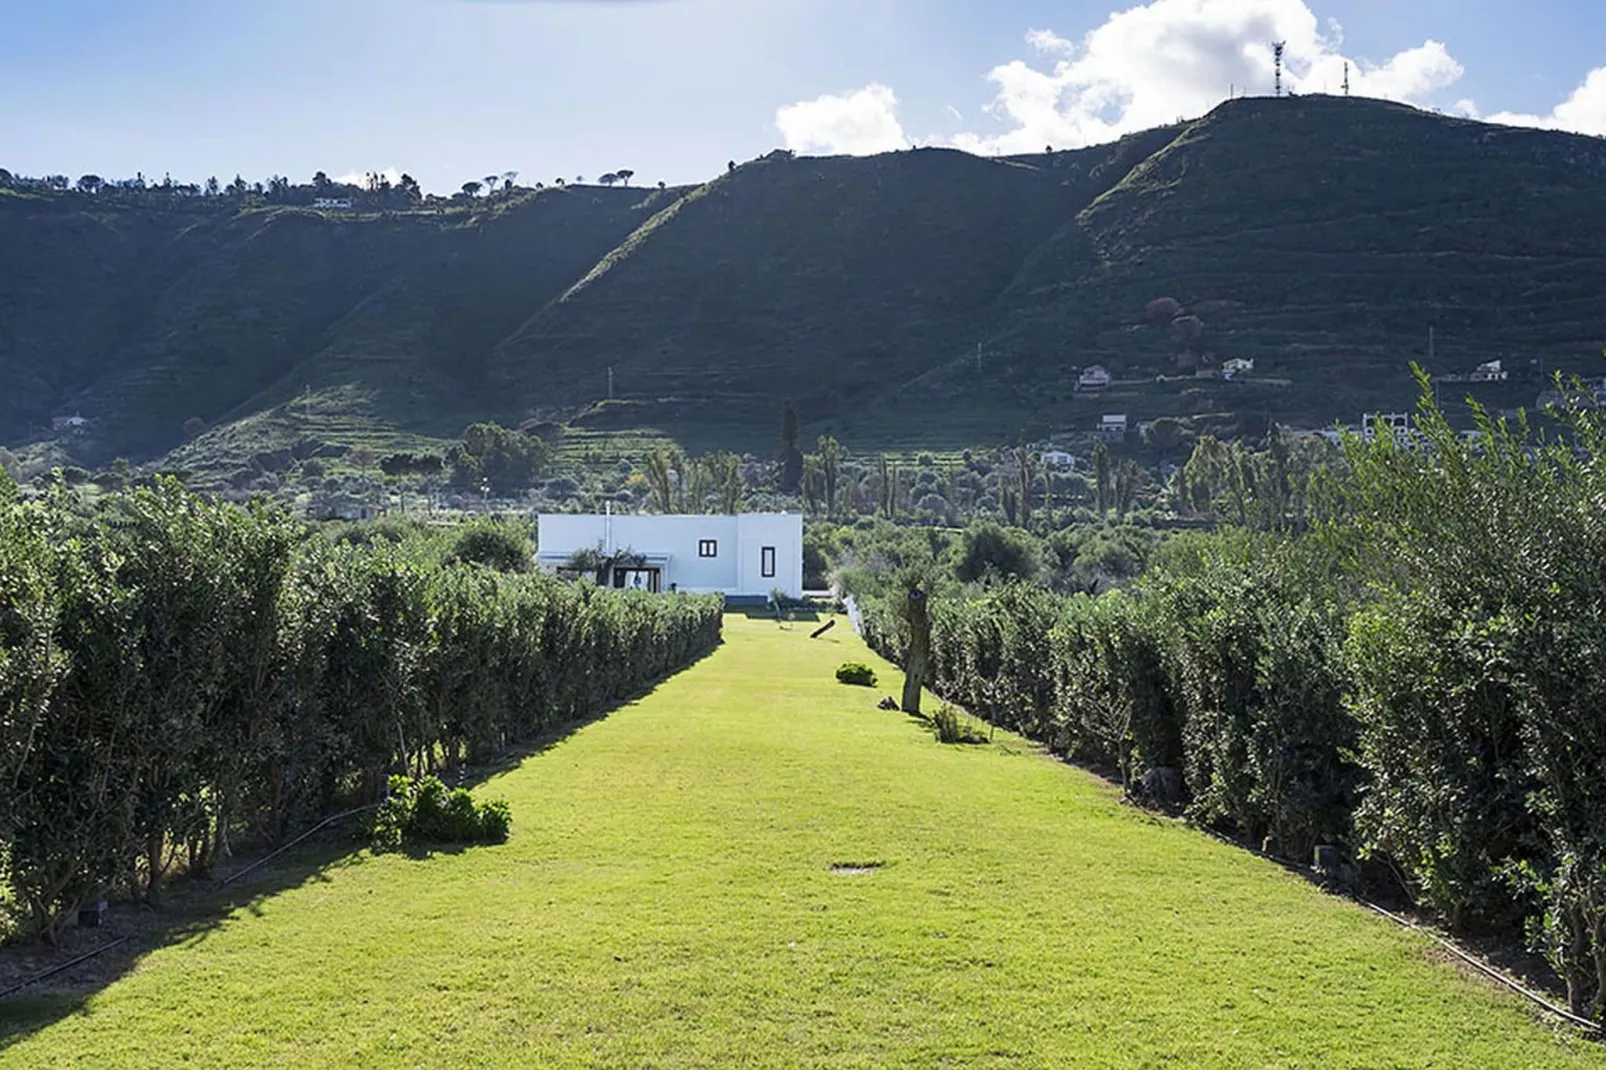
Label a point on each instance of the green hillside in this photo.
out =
(226, 316)
(1323, 237)
(924, 298)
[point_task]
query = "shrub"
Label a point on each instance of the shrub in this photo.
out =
(990, 549)
(949, 727)
(504, 547)
(424, 812)
(135, 630)
(856, 674)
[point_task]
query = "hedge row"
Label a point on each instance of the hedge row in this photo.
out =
(176, 674)
(1422, 681)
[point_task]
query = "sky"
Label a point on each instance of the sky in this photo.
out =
(454, 90)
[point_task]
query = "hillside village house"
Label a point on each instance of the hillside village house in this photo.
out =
(1397, 422)
(1113, 426)
(1058, 459)
(1490, 372)
(1096, 377)
(1236, 368)
(744, 557)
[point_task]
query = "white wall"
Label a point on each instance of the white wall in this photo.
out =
(784, 532)
(735, 570)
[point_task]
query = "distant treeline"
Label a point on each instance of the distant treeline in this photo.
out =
(178, 674)
(1419, 680)
(375, 190)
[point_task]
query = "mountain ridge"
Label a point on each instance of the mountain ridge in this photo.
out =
(920, 295)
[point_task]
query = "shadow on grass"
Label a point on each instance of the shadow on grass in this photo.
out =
(787, 616)
(194, 909)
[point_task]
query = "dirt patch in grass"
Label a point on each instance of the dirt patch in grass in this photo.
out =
(855, 869)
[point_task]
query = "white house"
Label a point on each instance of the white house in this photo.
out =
(1237, 367)
(1399, 423)
(1096, 377)
(1058, 459)
(743, 557)
(1490, 372)
(337, 204)
(1113, 426)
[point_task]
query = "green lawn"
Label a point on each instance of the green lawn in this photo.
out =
(668, 899)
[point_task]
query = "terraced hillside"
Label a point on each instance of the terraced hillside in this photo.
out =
(224, 316)
(922, 298)
(1323, 239)
(825, 280)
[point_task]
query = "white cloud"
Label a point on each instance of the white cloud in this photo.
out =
(360, 178)
(1150, 64)
(860, 123)
(1156, 62)
(1050, 42)
(1584, 112)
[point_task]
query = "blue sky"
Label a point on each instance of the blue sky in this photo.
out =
(451, 90)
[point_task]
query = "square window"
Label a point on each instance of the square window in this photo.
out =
(708, 548)
(766, 559)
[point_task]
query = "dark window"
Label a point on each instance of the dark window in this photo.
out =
(766, 559)
(708, 548)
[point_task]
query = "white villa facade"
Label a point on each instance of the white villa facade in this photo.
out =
(1096, 377)
(1113, 426)
(743, 557)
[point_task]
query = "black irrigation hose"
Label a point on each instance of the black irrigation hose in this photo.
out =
(1487, 970)
(1406, 923)
(36, 978)
(319, 827)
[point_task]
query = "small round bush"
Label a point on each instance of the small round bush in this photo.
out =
(425, 812)
(856, 674)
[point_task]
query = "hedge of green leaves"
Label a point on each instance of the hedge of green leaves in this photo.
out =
(1422, 681)
(177, 674)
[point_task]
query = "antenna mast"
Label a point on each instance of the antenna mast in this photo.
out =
(1346, 78)
(1277, 58)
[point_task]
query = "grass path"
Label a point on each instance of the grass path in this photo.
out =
(667, 899)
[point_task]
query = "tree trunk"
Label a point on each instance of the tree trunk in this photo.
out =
(917, 670)
(153, 868)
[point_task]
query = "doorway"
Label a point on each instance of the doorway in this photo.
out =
(640, 579)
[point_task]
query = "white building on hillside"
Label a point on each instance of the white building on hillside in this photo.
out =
(1096, 377)
(1058, 459)
(743, 557)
